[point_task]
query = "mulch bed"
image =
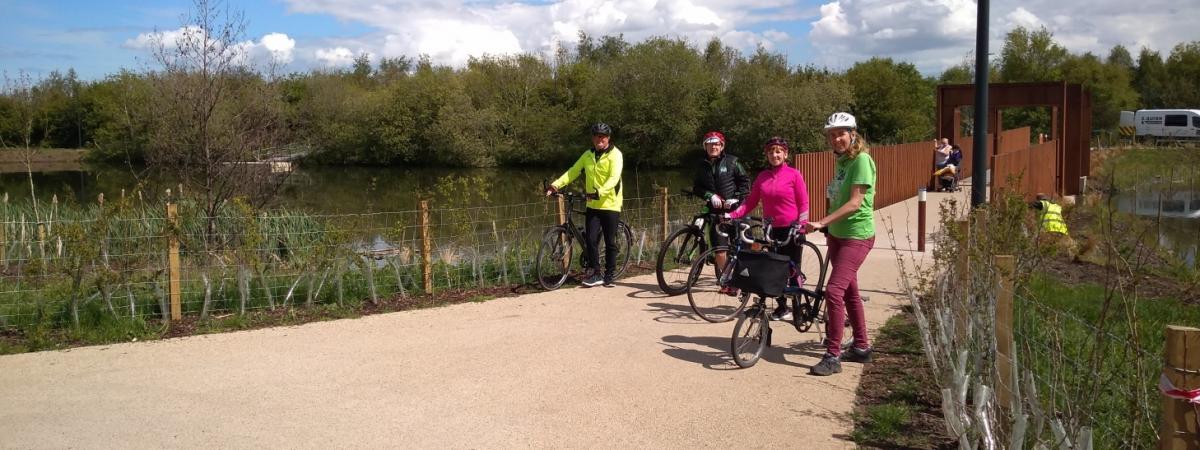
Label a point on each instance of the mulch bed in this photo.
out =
(892, 367)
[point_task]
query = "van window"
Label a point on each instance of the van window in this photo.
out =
(1196, 122)
(1176, 120)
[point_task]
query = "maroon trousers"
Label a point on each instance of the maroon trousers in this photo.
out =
(841, 293)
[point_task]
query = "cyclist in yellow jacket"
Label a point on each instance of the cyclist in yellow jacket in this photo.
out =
(601, 168)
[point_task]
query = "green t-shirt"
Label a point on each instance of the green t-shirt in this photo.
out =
(847, 172)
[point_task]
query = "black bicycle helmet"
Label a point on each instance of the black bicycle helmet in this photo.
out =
(601, 128)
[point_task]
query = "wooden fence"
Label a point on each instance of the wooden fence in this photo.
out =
(1028, 171)
(901, 170)
(1013, 140)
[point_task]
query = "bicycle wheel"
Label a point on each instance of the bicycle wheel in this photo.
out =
(750, 337)
(675, 258)
(554, 258)
(705, 288)
(623, 240)
(813, 266)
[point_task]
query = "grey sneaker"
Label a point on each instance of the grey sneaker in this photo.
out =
(782, 313)
(608, 282)
(829, 365)
(594, 280)
(855, 354)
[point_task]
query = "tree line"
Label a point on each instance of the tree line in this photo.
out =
(660, 95)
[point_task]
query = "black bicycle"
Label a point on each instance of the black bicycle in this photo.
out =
(752, 333)
(680, 249)
(553, 264)
(712, 294)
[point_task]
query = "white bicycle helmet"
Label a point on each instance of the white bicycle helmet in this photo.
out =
(841, 120)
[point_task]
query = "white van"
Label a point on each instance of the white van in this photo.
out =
(1163, 123)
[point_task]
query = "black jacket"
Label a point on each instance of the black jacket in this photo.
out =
(725, 177)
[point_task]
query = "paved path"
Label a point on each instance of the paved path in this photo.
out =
(600, 367)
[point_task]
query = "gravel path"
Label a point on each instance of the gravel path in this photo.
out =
(599, 367)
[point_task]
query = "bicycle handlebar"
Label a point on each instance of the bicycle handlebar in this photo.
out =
(743, 226)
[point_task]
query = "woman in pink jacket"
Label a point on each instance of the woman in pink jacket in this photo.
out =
(784, 197)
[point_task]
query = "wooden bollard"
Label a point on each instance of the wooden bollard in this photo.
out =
(921, 197)
(173, 266)
(1006, 265)
(426, 249)
(1179, 430)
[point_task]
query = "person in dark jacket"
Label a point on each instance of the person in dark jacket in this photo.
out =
(723, 183)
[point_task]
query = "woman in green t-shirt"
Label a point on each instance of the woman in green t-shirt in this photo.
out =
(851, 226)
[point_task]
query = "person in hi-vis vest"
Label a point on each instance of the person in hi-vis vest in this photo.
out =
(1052, 226)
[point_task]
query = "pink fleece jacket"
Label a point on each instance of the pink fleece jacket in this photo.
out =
(783, 193)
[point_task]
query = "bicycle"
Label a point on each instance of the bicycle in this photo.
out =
(679, 250)
(553, 263)
(709, 295)
(752, 332)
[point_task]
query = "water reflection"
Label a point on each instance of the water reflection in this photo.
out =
(1180, 210)
(347, 190)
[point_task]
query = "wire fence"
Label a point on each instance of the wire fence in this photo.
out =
(1024, 362)
(86, 264)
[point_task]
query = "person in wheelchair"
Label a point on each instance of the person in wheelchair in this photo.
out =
(947, 174)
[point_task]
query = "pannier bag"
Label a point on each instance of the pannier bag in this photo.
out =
(762, 273)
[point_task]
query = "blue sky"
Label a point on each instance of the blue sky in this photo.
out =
(97, 38)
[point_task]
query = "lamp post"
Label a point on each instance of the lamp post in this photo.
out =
(980, 164)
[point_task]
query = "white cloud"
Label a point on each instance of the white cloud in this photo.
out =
(280, 46)
(335, 57)
(272, 48)
(936, 33)
(1023, 18)
(452, 31)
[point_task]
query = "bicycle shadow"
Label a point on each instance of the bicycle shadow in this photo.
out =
(714, 357)
(670, 313)
(643, 291)
(719, 358)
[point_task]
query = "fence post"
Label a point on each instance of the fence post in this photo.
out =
(1082, 190)
(962, 310)
(666, 215)
(921, 219)
(1179, 428)
(1006, 266)
(173, 262)
(562, 210)
(426, 249)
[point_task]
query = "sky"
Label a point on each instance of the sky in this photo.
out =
(101, 37)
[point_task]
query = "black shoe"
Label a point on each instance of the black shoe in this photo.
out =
(829, 365)
(855, 354)
(608, 282)
(594, 280)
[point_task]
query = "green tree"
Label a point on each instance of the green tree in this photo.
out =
(1109, 85)
(1183, 76)
(1031, 56)
(961, 73)
(892, 101)
(767, 98)
(653, 96)
(119, 117)
(1150, 79)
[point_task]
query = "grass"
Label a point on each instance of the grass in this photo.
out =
(1086, 360)
(888, 422)
(897, 398)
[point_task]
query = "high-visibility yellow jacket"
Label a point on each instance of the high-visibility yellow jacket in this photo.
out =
(601, 176)
(1052, 218)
